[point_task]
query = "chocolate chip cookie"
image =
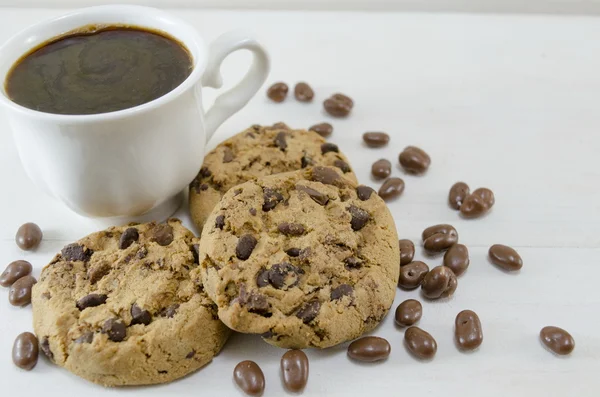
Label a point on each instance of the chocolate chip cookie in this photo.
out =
(306, 258)
(120, 307)
(255, 152)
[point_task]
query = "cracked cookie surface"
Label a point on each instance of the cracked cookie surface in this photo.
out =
(122, 307)
(306, 258)
(256, 152)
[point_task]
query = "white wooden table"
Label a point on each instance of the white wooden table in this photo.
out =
(507, 102)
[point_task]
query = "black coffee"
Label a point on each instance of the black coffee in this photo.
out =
(98, 70)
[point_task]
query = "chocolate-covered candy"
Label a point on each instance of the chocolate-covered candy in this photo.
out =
(28, 236)
(440, 282)
(420, 343)
(557, 340)
(408, 312)
(458, 192)
(457, 259)
(14, 271)
(303, 92)
(414, 160)
(369, 349)
(505, 257)
(381, 169)
(294, 370)
(338, 105)
(467, 330)
(412, 274)
(19, 293)
(376, 139)
(439, 238)
(277, 92)
(391, 188)
(407, 251)
(477, 203)
(323, 129)
(25, 351)
(245, 246)
(249, 377)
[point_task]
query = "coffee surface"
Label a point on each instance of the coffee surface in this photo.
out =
(98, 70)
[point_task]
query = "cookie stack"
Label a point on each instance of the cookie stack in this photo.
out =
(291, 249)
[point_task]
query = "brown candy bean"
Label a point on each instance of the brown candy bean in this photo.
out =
(376, 139)
(440, 282)
(294, 370)
(25, 351)
(19, 293)
(323, 129)
(557, 340)
(338, 105)
(303, 92)
(14, 271)
(249, 377)
(409, 312)
(381, 169)
(369, 349)
(391, 188)
(28, 236)
(420, 343)
(439, 238)
(477, 203)
(412, 275)
(407, 251)
(277, 92)
(414, 160)
(467, 330)
(505, 257)
(457, 259)
(458, 192)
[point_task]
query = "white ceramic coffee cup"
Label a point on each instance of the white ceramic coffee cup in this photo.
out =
(132, 164)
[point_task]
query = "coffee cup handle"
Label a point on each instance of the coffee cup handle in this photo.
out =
(236, 98)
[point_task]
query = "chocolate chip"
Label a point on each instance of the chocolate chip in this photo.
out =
(291, 229)
(303, 92)
(205, 172)
(318, 197)
(381, 169)
(129, 236)
(505, 257)
(329, 147)
(305, 161)
(220, 222)
(255, 303)
(439, 238)
(227, 155)
(338, 105)
(87, 337)
(75, 252)
(352, 263)
(293, 252)
(477, 203)
(440, 282)
(97, 271)
(19, 293)
(190, 354)
(407, 251)
(341, 291)
(271, 198)
(376, 139)
(140, 316)
(342, 165)
(249, 377)
(277, 92)
(391, 188)
(162, 234)
(305, 253)
(142, 253)
(196, 253)
(414, 160)
(280, 141)
(14, 271)
(323, 129)
(203, 187)
(237, 192)
(28, 236)
(245, 246)
(327, 176)
(309, 311)
(557, 340)
(280, 126)
(252, 211)
(91, 300)
(364, 192)
(25, 351)
(359, 219)
(458, 192)
(45, 346)
(262, 277)
(284, 275)
(115, 329)
(170, 311)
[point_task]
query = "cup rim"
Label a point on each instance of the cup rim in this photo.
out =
(192, 40)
